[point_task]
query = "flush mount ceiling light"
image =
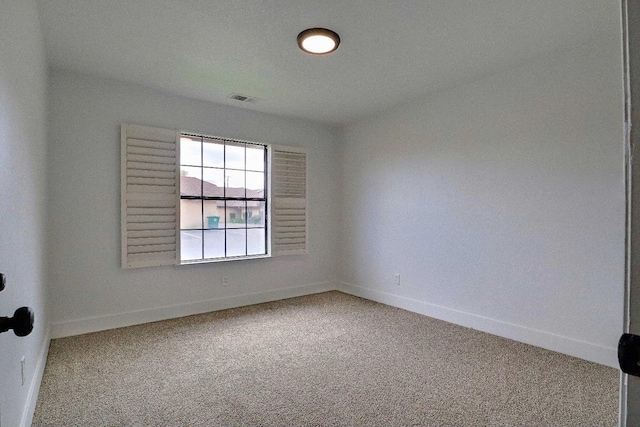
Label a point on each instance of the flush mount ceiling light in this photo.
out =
(318, 41)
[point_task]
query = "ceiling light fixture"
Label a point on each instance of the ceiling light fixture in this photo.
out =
(318, 41)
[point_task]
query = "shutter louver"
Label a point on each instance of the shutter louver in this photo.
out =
(149, 196)
(289, 201)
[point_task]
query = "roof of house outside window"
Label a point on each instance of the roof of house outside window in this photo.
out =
(190, 186)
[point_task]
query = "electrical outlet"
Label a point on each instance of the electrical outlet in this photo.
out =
(23, 372)
(224, 281)
(396, 279)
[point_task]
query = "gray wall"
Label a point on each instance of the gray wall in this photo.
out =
(500, 203)
(22, 203)
(89, 290)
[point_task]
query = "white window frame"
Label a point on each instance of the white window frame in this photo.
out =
(268, 251)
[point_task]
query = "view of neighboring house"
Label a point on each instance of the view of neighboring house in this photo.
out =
(219, 213)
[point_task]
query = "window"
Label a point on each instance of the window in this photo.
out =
(221, 183)
(188, 198)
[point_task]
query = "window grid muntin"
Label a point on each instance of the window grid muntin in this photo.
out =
(203, 198)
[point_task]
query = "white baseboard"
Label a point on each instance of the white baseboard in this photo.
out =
(583, 350)
(36, 380)
(101, 323)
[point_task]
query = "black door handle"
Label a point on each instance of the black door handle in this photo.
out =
(629, 354)
(21, 322)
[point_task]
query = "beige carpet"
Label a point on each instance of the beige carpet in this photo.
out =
(322, 360)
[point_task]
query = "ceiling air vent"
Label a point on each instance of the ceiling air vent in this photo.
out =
(244, 98)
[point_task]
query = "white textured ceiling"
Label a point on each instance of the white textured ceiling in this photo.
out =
(391, 50)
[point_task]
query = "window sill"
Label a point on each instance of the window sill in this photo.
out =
(216, 260)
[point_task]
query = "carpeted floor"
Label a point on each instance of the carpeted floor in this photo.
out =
(322, 360)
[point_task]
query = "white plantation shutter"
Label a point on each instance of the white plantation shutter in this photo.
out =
(289, 200)
(149, 192)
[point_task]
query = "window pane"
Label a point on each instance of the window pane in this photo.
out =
(190, 245)
(235, 183)
(235, 214)
(190, 184)
(214, 243)
(255, 158)
(236, 242)
(213, 153)
(229, 171)
(190, 151)
(255, 214)
(213, 214)
(256, 241)
(190, 213)
(255, 184)
(213, 182)
(234, 157)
